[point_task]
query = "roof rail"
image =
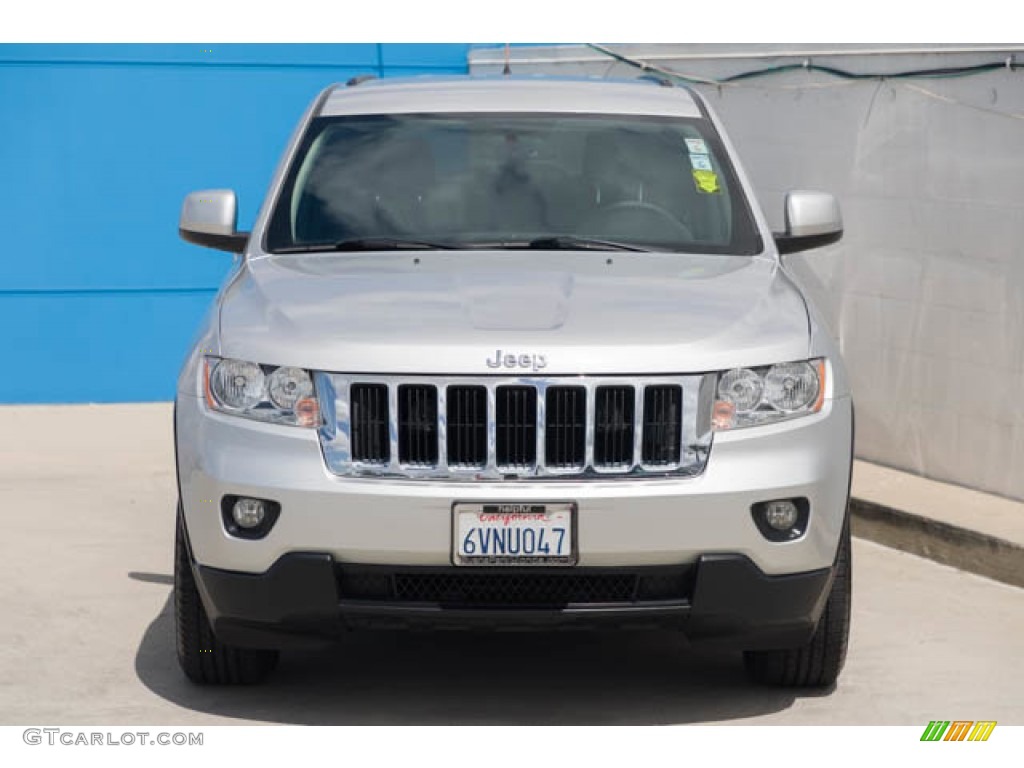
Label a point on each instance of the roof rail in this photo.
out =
(359, 79)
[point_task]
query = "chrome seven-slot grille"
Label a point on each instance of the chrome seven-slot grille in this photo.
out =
(492, 427)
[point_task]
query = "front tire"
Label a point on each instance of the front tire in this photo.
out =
(818, 663)
(202, 657)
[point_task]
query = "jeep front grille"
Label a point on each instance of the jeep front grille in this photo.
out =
(565, 445)
(467, 426)
(662, 423)
(417, 425)
(370, 443)
(613, 427)
(497, 428)
(516, 423)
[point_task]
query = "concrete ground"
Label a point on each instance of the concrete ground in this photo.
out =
(86, 632)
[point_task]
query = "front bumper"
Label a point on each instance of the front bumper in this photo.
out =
(303, 601)
(621, 521)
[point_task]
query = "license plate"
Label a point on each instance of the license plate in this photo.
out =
(514, 534)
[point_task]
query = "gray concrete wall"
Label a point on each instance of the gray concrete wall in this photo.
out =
(926, 290)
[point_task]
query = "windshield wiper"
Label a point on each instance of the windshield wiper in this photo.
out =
(571, 242)
(391, 244)
(370, 244)
(548, 242)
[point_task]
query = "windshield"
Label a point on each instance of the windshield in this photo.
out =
(506, 181)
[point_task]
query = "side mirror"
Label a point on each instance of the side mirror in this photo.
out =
(812, 220)
(209, 218)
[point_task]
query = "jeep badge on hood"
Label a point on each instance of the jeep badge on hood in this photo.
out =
(510, 360)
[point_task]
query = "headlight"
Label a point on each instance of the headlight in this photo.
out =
(289, 386)
(791, 387)
(262, 392)
(742, 387)
(237, 384)
(747, 397)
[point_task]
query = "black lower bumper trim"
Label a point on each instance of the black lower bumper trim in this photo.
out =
(736, 604)
(723, 599)
(398, 616)
(294, 603)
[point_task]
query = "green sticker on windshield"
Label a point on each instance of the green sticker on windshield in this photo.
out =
(707, 182)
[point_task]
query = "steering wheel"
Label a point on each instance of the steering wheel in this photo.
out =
(670, 222)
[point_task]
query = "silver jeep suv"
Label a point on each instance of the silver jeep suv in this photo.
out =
(506, 353)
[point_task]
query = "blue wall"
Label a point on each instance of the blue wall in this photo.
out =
(98, 144)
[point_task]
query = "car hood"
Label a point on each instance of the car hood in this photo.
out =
(553, 312)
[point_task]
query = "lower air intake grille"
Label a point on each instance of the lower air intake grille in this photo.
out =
(613, 426)
(370, 441)
(514, 588)
(516, 426)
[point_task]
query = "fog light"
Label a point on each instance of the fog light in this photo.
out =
(249, 513)
(781, 515)
(247, 518)
(782, 519)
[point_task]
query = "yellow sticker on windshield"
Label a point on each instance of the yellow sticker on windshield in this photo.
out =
(707, 182)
